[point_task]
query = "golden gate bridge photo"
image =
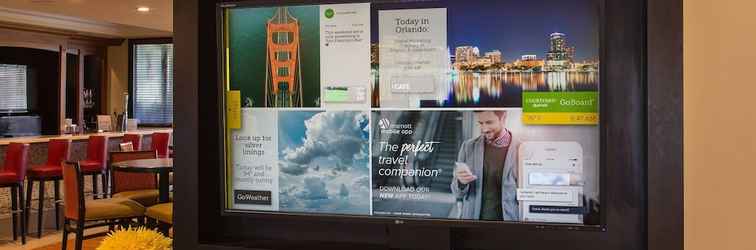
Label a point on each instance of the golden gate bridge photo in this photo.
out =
(283, 77)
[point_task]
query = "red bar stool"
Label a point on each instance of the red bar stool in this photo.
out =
(12, 176)
(160, 141)
(96, 163)
(135, 139)
(58, 151)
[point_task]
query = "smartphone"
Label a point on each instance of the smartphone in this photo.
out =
(463, 166)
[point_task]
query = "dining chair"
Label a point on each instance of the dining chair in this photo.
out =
(58, 151)
(12, 175)
(80, 214)
(163, 214)
(140, 187)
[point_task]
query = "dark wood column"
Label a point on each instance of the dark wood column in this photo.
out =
(665, 125)
(79, 119)
(61, 86)
(103, 52)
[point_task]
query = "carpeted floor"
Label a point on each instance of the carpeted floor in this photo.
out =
(89, 244)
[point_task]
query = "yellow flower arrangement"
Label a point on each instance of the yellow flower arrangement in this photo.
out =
(137, 239)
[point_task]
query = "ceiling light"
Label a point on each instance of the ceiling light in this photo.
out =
(143, 9)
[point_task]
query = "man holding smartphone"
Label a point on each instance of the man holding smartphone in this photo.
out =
(485, 176)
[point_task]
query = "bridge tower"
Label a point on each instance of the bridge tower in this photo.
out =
(283, 79)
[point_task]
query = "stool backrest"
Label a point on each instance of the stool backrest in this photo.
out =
(17, 159)
(58, 151)
(73, 190)
(160, 141)
(97, 149)
(135, 139)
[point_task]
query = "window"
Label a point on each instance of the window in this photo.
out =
(152, 84)
(13, 88)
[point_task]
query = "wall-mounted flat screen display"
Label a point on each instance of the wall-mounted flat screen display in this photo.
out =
(461, 110)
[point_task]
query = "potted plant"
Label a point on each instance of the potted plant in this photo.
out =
(139, 238)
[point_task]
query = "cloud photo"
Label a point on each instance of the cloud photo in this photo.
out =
(339, 135)
(323, 162)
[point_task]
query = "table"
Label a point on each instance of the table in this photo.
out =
(160, 166)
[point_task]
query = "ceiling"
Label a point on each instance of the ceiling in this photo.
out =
(106, 18)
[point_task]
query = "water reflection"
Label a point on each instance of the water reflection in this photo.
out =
(504, 89)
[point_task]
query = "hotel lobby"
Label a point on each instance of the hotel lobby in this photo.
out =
(376, 124)
(89, 83)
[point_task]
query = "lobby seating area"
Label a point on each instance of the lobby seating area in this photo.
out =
(86, 121)
(88, 191)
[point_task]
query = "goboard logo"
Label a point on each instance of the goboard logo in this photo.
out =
(384, 123)
(329, 13)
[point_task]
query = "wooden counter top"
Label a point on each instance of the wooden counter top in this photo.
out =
(78, 137)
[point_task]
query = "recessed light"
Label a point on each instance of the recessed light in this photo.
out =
(143, 9)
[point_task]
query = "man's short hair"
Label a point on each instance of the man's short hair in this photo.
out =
(499, 113)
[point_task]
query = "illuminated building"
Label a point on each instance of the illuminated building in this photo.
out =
(494, 56)
(466, 54)
(571, 54)
(558, 57)
(529, 61)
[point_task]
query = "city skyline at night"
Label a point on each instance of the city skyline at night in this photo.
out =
(517, 28)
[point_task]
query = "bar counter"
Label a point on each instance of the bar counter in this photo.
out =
(78, 137)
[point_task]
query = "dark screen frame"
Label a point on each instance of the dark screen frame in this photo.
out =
(629, 129)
